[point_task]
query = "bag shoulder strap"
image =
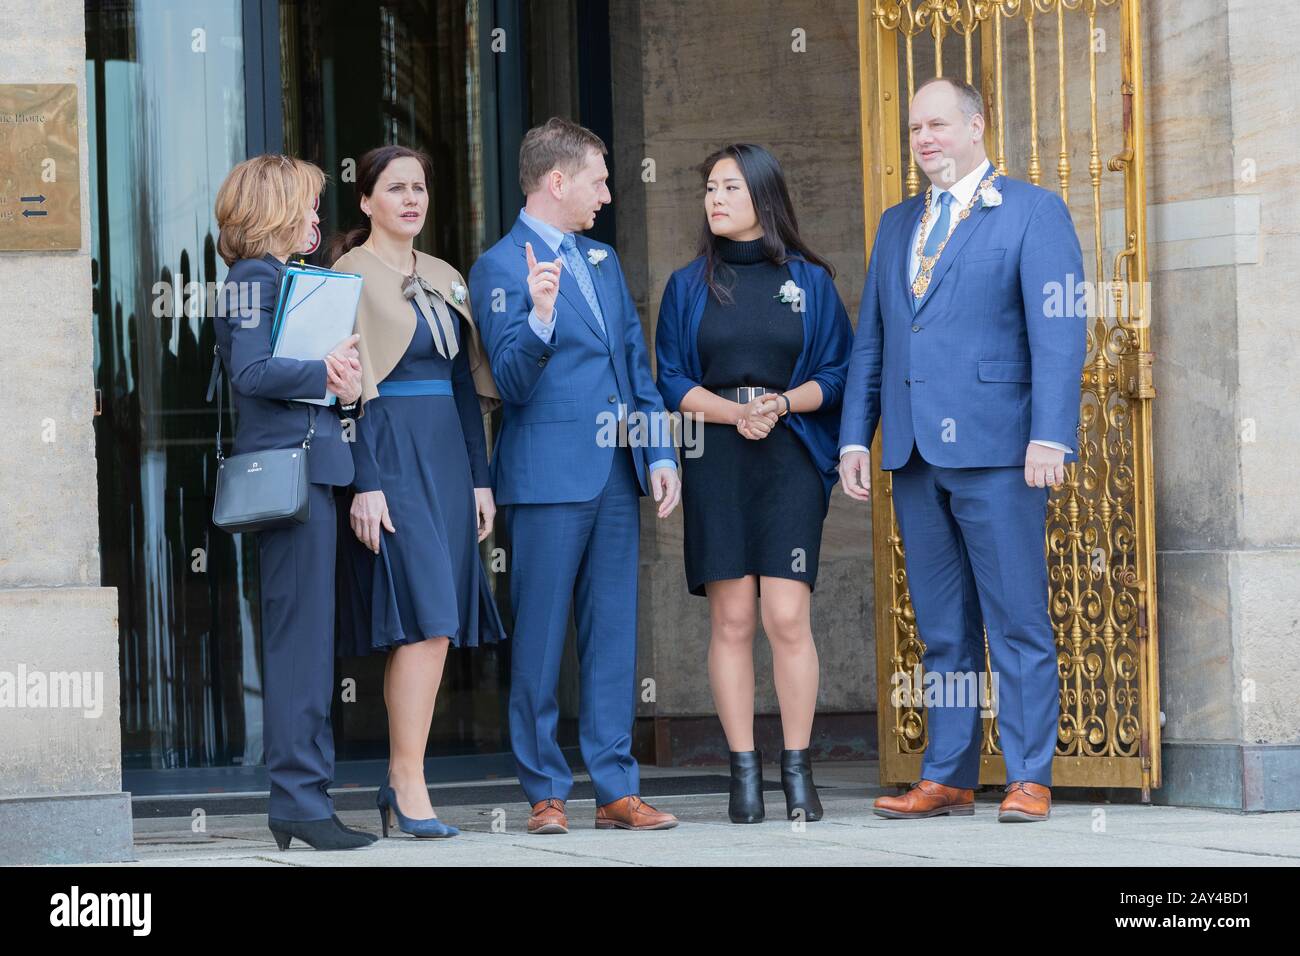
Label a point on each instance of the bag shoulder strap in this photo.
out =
(214, 387)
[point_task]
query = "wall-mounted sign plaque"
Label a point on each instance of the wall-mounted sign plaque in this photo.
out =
(40, 176)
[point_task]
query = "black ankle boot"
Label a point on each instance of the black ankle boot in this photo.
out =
(746, 803)
(352, 830)
(797, 782)
(328, 834)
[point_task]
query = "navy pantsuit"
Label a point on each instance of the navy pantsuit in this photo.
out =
(297, 563)
(297, 572)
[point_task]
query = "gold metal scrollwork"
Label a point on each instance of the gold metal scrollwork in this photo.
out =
(1099, 542)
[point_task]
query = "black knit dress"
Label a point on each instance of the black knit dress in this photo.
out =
(750, 506)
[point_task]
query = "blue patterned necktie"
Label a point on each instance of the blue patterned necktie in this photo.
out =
(569, 249)
(940, 230)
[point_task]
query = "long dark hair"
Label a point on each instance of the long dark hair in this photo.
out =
(369, 168)
(771, 198)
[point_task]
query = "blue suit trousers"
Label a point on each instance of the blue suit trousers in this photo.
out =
(974, 544)
(584, 556)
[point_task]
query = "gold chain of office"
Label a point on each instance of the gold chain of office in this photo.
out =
(922, 280)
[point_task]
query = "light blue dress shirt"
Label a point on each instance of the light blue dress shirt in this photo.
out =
(553, 236)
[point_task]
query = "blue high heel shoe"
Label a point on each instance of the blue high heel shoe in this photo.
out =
(391, 814)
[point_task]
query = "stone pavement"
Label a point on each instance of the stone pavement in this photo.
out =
(1078, 834)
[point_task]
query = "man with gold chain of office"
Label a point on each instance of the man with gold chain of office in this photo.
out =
(974, 382)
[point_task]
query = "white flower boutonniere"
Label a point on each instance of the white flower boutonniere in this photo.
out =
(991, 196)
(458, 293)
(596, 256)
(790, 293)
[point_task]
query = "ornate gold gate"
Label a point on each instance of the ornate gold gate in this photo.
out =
(1061, 78)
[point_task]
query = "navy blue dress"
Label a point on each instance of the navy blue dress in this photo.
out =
(427, 453)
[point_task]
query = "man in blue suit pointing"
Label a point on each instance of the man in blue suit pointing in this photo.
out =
(963, 358)
(583, 437)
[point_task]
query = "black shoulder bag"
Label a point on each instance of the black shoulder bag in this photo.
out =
(261, 490)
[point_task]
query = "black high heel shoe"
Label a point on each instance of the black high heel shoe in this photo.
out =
(797, 782)
(328, 834)
(746, 802)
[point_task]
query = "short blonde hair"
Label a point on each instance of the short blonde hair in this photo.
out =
(261, 204)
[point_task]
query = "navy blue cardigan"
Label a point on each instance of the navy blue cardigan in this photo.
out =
(827, 338)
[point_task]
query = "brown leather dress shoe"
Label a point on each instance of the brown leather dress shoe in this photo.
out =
(633, 813)
(927, 799)
(1025, 802)
(548, 817)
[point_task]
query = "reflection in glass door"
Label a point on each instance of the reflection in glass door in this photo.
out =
(178, 93)
(165, 83)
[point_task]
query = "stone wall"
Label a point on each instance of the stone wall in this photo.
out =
(60, 791)
(689, 78)
(1224, 260)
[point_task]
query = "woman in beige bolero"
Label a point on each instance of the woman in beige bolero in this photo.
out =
(413, 579)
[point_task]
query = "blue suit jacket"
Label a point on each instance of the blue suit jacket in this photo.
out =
(827, 337)
(263, 386)
(986, 360)
(558, 399)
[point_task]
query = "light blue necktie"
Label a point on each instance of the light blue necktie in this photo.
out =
(569, 249)
(940, 231)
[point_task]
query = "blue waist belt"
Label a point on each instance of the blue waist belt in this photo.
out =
(419, 386)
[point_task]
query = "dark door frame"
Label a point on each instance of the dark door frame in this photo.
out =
(263, 86)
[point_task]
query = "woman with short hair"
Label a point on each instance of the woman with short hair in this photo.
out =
(265, 210)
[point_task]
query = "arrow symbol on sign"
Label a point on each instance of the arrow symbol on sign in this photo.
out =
(31, 199)
(35, 212)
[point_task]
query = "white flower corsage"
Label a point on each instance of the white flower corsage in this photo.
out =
(789, 293)
(458, 293)
(596, 256)
(990, 195)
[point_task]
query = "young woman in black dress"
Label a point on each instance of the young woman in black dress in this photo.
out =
(753, 339)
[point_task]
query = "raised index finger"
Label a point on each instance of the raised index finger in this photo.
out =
(532, 259)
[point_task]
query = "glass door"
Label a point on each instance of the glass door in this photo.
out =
(178, 92)
(356, 76)
(165, 84)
